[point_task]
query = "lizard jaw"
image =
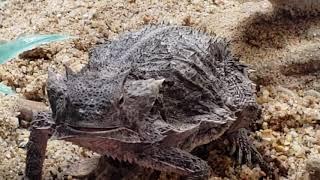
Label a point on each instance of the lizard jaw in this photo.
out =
(85, 129)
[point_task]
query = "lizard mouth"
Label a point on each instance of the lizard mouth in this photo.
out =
(71, 132)
(85, 129)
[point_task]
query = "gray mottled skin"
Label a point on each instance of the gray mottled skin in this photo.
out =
(150, 97)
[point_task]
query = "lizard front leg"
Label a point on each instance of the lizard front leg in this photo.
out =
(41, 130)
(247, 150)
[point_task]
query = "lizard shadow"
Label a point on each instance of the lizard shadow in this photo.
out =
(268, 36)
(275, 30)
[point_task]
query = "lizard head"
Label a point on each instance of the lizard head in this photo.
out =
(90, 100)
(241, 96)
(94, 101)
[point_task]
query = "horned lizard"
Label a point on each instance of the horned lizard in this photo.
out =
(150, 97)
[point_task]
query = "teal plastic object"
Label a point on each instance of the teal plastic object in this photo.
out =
(6, 90)
(13, 48)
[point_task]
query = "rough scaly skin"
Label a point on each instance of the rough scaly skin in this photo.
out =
(152, 96)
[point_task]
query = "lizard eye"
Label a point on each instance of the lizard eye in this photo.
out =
(121, 100)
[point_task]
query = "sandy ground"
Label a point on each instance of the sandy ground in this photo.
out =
(284, 52)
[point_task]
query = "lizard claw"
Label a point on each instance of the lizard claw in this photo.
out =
(240, 143)
(247, 152)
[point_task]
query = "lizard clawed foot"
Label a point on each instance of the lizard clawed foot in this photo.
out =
(41, 130)
(247, 151)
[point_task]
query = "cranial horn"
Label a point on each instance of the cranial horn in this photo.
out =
(156, 84)
(69, 72)
(51, 74)
(125, 75)
(119, 77)
(54, 77)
